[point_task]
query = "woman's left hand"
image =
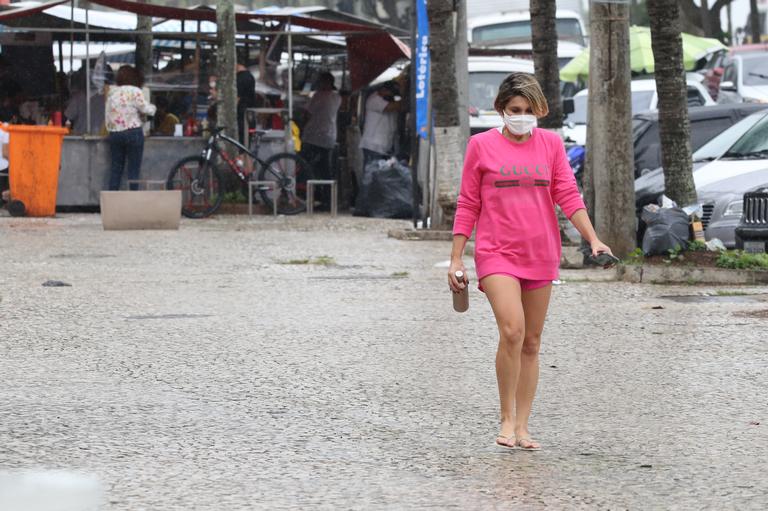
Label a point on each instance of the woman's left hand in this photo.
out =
(598, 247)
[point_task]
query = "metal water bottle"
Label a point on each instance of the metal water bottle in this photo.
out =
(461, 299)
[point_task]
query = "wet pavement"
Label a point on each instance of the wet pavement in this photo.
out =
(314, 363)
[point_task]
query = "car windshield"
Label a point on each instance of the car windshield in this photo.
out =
(483, 87)
(641, 101)
(756, 70)
(753, 142)
(568, 29)
(716, 147)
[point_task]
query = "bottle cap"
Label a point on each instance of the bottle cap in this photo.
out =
(459, 274)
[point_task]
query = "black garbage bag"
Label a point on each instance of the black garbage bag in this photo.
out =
(667, 229)
(386, 190)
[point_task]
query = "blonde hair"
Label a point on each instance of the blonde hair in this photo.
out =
(526, 86)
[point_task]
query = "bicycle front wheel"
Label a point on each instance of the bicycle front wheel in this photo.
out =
(290, 173)
(200, 185)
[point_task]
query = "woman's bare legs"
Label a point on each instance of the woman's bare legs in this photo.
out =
(504, 294)
(535, 305)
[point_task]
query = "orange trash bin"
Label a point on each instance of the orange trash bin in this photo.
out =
(34, 158)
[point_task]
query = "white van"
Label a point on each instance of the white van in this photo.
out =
(513, 31)
(485, 76)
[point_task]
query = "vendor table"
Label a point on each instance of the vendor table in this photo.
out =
(85, 165)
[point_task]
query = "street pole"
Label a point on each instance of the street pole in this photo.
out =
(290, 76)
(754, 21)
(226, 61)
(87, 73)
(144, 44)
(415, 181)
(71, 42)
(462, 74)
(609, 174)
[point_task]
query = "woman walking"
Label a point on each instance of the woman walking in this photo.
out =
(512, 178)
(123, 119)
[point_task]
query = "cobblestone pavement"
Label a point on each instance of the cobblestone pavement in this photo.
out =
(199, 370)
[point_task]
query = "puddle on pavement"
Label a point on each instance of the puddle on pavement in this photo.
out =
(724, 298)
(171, 316)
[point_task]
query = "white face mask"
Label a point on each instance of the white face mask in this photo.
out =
(519, 124)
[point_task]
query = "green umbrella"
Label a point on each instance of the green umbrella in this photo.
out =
(641, 54)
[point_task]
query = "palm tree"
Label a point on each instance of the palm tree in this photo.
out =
(544, 39)
(674, 126)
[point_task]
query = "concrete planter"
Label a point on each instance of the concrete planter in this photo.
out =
(140, 210)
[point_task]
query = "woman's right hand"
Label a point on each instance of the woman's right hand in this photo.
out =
(454, 283)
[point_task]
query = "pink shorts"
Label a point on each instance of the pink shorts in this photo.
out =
(525, 284)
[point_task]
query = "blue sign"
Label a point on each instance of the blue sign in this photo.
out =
(421, 61)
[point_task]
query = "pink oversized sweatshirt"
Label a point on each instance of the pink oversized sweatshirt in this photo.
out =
(509, 191)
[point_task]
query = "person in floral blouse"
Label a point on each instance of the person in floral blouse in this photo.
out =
(123, 118)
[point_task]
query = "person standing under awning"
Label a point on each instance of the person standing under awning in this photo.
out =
(380, 123)
(319, 135)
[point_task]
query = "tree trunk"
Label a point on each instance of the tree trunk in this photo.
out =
(609, 174)
(754, 21)
(450, 142)
(674, 126)
(702, 20)
(706, 18)
(442, 41)
(544, 37)
(144, 44)
(462, 73)
(715, 26)
(226, 61)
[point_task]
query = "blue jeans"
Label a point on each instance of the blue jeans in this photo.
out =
(127, 149)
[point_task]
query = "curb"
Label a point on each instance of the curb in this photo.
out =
(420, 235)
(572, 263)
(653, 274)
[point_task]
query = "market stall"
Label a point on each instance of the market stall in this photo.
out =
(188, 35)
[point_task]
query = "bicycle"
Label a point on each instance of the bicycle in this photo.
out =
(201, 180)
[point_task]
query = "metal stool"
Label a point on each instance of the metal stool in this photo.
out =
(147, 183)
(311, 194)
(269, 184)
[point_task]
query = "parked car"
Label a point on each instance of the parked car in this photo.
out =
(752, 231)
(745, 78)
(723, 204)
(706, 123)
(485, 76)
(512, 30)
(644, 98)
(649, 187)
(720, 181)
(713, 70)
